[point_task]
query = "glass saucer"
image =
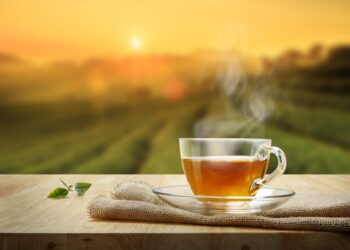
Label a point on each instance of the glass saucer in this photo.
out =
(182, 197)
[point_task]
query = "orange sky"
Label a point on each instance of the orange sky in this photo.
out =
(76, 29)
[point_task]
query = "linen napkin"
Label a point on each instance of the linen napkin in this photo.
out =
(135, 201)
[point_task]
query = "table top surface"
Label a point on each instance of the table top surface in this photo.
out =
(25, 208)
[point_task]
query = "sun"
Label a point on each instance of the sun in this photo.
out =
(136, 43)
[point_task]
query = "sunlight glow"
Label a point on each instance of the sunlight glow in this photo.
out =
(136, 43)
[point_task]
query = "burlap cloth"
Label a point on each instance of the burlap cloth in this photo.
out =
(307, 211)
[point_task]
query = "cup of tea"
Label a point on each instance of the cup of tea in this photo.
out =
(229, 166)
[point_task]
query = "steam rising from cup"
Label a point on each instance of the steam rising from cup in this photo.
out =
(247, 103)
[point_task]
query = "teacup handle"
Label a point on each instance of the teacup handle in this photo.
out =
(280, 169)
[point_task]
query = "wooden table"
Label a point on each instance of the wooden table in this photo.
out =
(29, 220)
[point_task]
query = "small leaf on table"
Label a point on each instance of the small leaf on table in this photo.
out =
(58, 193)
(82, 187)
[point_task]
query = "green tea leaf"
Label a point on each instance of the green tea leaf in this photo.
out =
(82, 187)
(58, 193)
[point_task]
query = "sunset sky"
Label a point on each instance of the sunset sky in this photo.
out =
(66, 29)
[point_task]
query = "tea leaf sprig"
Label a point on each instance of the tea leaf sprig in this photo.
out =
(80, 188)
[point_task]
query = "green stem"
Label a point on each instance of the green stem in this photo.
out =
(68, 187)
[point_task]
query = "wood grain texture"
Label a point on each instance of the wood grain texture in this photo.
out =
(37, 241)
(31, 221)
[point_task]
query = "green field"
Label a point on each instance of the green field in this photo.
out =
(137, 132)
(144, 138)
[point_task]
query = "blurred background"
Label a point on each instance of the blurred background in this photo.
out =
(109, 86)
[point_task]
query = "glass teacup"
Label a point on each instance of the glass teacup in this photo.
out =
(229, 166)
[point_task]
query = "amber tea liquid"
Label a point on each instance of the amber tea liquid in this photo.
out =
(223, 175)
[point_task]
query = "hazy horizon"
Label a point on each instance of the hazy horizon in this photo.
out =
(211, 53)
